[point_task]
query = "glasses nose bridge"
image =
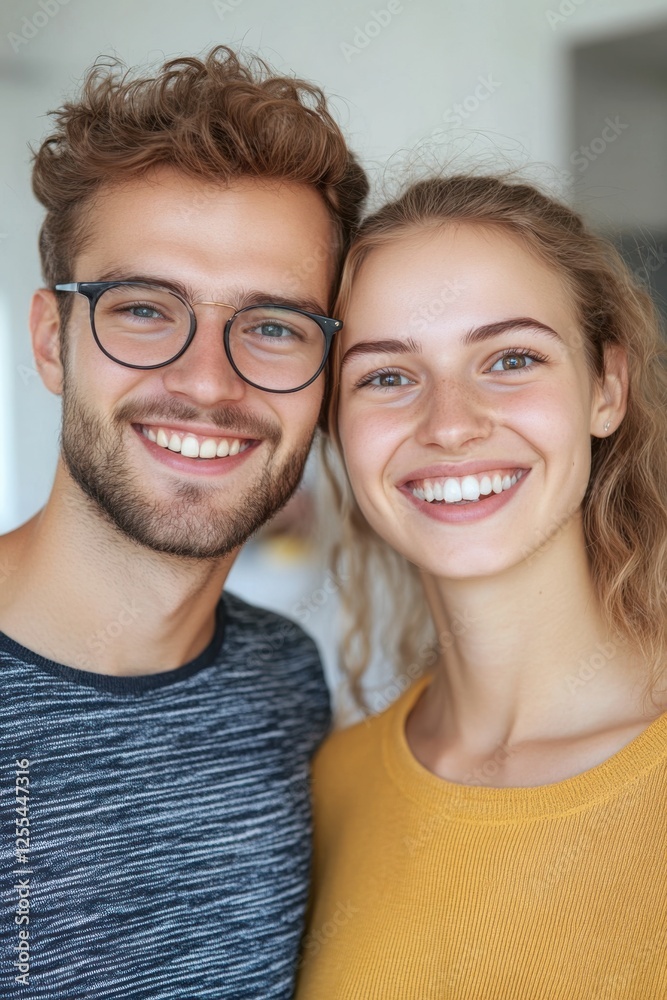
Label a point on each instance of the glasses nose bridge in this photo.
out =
(213, 302)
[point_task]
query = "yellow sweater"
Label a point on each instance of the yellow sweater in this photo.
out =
(425, 889)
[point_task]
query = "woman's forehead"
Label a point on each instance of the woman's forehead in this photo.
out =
(455, 275)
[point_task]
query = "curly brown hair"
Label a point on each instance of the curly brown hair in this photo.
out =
(625, 506)
(216, 118)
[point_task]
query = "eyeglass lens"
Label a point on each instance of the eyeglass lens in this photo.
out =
(273, 347)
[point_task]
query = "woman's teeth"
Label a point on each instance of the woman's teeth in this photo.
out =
(468, 488)
(191, 447)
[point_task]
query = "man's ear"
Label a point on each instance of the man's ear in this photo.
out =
(45, 333)
(611, 396)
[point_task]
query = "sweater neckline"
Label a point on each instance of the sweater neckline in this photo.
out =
(124, 684)
(483, 804)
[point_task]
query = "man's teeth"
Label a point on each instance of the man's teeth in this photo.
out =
(453, 490)
(192, 447)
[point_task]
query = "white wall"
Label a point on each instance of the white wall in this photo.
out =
(398, 91)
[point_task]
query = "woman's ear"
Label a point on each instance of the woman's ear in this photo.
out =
(45, 334)
(610, 400)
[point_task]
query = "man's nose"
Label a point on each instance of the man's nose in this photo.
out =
(203, 373)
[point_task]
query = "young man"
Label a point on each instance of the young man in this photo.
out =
(155, 738)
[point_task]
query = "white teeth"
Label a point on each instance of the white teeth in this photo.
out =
(189, 446)
(470, 488)
(452, 491)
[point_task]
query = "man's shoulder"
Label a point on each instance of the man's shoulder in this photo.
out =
(268, 637)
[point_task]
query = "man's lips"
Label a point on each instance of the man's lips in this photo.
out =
(191, 444)
(198, 453)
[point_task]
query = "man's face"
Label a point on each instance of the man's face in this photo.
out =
(247, 242)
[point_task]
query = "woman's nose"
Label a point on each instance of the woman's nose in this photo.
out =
(454, 415)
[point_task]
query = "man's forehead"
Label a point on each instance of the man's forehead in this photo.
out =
(156, 226)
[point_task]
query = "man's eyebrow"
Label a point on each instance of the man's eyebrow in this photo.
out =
(502, 326)
(247, 297)
(408, 346)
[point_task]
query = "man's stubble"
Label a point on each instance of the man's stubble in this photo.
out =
(200, 520)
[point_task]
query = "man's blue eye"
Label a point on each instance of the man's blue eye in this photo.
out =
(144, 312)
(274, 330)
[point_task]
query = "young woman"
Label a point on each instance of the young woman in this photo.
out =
(500, 831)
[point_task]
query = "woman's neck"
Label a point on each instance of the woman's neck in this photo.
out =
(527, 655)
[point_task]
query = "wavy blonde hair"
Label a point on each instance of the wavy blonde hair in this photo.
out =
(625, 505)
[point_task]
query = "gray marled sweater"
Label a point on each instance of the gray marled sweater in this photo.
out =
(168, 819)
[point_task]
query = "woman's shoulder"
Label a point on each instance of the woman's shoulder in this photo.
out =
(350, 749)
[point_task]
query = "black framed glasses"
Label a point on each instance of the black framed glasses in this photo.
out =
(142, 325)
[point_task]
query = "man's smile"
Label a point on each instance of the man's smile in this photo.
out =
(192, 445)
(189, 452)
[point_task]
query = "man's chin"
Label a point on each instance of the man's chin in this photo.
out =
(194, 520)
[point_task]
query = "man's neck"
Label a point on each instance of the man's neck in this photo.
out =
(76, 590)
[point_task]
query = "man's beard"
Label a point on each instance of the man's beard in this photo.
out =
(201, 520)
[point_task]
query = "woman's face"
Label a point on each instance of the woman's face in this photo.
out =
(466, 405)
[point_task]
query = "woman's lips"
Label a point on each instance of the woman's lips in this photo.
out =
(457, 508)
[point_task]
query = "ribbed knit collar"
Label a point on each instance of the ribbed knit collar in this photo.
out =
(482, 804)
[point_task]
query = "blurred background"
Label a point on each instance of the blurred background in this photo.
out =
(574, 92)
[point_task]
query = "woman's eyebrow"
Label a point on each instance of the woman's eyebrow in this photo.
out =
(518, 323)
(408, 346)
(474, 336)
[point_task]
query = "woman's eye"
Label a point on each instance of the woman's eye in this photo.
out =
(385, 380)
(513, 360)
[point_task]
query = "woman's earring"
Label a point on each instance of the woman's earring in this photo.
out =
(606, 426)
